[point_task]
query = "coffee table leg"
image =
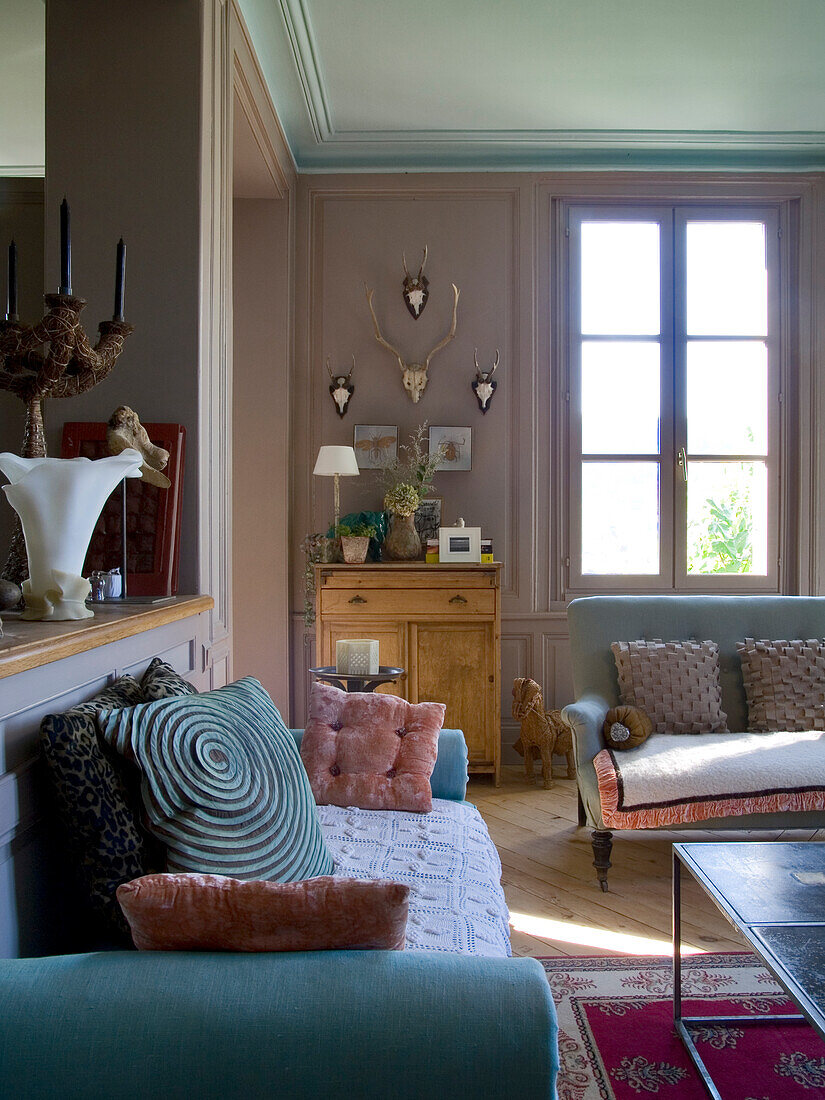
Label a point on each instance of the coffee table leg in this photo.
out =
(677, 939)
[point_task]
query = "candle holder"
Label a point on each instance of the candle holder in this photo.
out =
(68, 366)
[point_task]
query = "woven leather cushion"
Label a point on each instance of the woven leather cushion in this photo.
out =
(784, 684)
(675, 683)
(99, 814)
(160, 681)
(626, 727)
(370, 750)
(223, 785)
(213, 913)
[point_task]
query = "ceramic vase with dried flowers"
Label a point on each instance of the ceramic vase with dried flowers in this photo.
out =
(406, 480)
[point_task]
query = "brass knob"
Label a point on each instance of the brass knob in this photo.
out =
(458, 599)
(358, 599)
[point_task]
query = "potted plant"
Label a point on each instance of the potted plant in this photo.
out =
(406, 480)
(355, 541)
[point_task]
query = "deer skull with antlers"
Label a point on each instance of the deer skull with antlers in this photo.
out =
(413, 375)
(415, 287)
(341, 388)
(483, 385)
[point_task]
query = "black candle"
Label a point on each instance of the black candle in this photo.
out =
(120, 280)
(65, 249)
(11, 286)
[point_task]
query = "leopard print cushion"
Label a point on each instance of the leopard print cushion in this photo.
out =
(97, 811)
(160, 681)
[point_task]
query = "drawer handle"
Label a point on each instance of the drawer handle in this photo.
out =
(458, 599)
(358, 599)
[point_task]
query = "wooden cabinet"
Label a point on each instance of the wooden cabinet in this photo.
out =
(442, 623)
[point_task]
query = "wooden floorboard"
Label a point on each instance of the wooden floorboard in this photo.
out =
(556, 905)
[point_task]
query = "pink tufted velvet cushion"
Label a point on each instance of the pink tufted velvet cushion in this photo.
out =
(373, 751)
(189, 912)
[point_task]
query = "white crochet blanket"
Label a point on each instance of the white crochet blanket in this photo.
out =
(671, 768)
(447, 859)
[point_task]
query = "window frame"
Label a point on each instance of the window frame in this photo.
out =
(672, 216)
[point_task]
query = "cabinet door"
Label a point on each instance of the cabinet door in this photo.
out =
(455, 664)
(392, 647)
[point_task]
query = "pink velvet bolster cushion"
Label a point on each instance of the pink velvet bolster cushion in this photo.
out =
(190, 912)
(371, 750)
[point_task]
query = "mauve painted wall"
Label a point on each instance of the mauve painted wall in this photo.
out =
(470, 244)
(122, 142)
(21, 217)
(260, 505)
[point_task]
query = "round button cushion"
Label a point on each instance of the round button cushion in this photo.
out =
(626, 727)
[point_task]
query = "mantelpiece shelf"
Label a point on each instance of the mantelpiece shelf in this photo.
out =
(27, 645)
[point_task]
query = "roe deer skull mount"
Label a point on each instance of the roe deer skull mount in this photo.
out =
(415, 287)
(483, 385)
(413, 375)
(341, 388)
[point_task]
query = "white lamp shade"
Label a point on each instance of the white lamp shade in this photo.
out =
(336, 460)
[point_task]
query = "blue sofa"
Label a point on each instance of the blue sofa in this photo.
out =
(597, 621)
(124, 1025)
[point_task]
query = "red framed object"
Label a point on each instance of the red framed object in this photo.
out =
(152, 514)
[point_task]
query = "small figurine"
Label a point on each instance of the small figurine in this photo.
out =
(542, 732)
(123, 430)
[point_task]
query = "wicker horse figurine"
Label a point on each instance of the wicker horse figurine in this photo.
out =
(542, 732)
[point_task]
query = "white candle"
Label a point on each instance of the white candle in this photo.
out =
(356, 657)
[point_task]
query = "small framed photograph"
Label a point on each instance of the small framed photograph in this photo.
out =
(455, 445)
(375, 445)
(428, 519)
(459, 544)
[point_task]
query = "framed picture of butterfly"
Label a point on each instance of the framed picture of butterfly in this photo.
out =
(375, 445)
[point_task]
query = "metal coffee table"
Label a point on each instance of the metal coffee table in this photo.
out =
(773, 893)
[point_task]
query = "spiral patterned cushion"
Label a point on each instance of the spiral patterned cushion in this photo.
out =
(223, 785)
(98, 812)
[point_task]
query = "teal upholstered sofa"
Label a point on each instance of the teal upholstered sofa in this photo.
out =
(372, 1024)
(597, 621)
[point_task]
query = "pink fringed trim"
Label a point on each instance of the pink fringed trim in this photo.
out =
(684, 812)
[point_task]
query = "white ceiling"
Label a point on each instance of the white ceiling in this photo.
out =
(498, 84)
(452, 84)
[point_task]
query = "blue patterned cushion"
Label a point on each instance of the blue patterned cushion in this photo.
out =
(223, 785)
(160, 681)
(98, 815)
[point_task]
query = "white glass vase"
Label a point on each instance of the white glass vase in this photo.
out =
(58, 501)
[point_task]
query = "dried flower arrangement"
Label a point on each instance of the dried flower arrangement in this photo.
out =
(408, 477)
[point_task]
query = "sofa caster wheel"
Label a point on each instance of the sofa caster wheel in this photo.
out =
(602, 842)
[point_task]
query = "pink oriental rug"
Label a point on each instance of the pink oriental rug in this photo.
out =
(616, 1037)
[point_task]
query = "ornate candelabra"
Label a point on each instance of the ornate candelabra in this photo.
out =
(67, 365)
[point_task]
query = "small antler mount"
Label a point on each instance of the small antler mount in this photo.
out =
(415, 287)
(341, 388)
(483, 385)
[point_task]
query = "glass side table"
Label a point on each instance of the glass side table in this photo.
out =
(386, 674)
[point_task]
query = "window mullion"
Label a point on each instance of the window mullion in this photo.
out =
(678, 344)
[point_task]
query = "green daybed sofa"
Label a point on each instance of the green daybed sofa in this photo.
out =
(597, 621)
(359, 1025)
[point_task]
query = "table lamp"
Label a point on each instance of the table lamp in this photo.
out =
(336, 462)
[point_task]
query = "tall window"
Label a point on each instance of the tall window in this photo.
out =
(674, 397)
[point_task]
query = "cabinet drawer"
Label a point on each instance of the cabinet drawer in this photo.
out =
(410, 603)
